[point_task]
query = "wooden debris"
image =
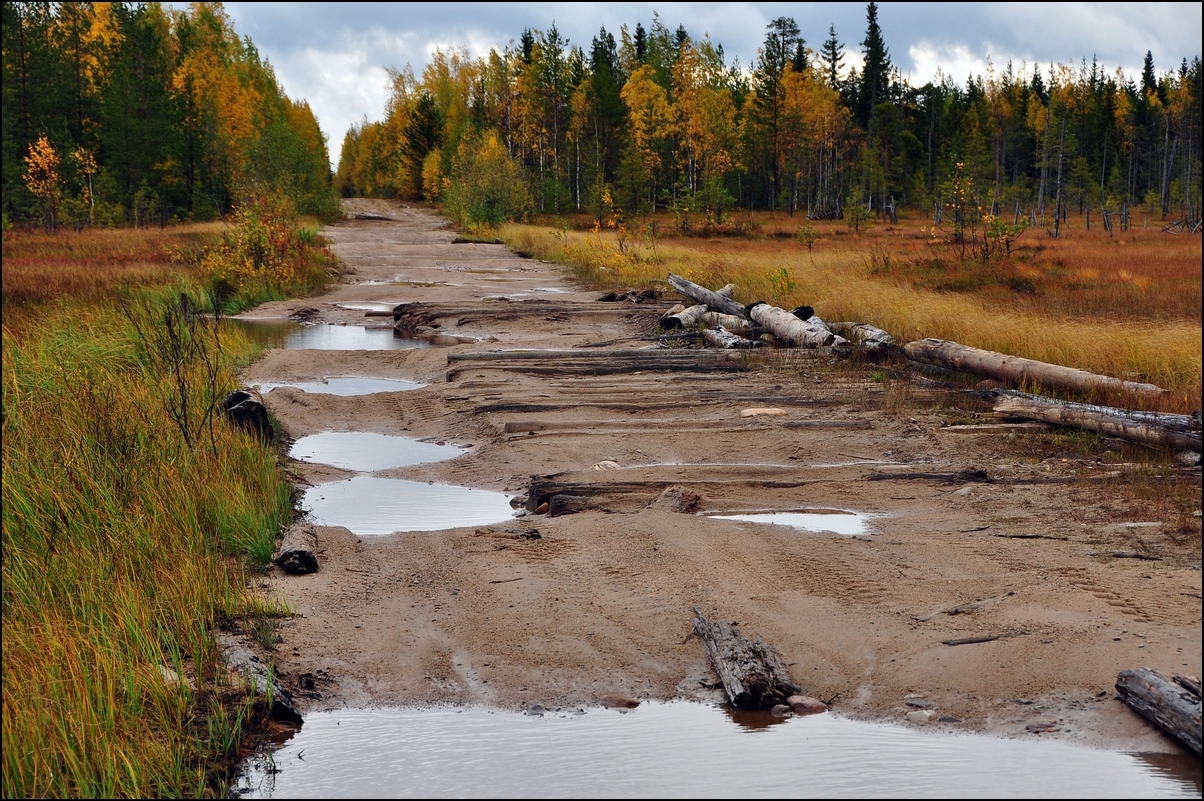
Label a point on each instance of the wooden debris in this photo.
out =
(1167, 430)
(1172, 707)
(790, 329)
(630, 296)
(719, 301)
(867, 336)
(598, 362)
(752, 673)
(686, 318)
(298, 552)
(955, 356)
(720, 337)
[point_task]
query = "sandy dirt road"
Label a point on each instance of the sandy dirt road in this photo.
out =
(601, 602)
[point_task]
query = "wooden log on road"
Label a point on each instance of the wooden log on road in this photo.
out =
(789, 328)
(1171, 707)
(720, 337)
(863, 334)
(683, 319)
(1133, 426)
(955, 356)
(598, 362)
(298, 552)
(752, 673)
(718, 301)
(728, 321)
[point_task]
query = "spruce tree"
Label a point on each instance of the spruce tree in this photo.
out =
(832, 54)
(875, 75)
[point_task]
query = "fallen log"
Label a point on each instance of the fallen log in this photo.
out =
(1172, 708)
(752, 673)
(718, 301)
(683, 319)
(1101, 419)
(728, 321)
(955, 356)
(785, 326)
(599, 362)
(867, 336)
(720, 337)
(298, 552)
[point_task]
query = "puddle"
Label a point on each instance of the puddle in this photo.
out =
(834, 520)
(294, 336)
(347, 386)
(367, 306)
(371, 506)
(366, 452)
(670, 750)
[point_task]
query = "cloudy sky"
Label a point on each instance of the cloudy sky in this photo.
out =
(335, 54)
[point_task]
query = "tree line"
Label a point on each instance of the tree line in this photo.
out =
(659, 119)
(118, 113)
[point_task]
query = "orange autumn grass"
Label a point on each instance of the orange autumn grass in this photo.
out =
(1122, 304)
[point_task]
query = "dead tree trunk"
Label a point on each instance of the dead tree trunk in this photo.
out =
(298, 552)
(785, 326)
(1137, 427)
(1171, 707)
(683, 319)
(728, 321)
(751, 671)
(954, 356)
(865, 335)
(719, 301)
(720, 337)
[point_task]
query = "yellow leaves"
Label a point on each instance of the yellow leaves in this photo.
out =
(651, 115)
(42, 175)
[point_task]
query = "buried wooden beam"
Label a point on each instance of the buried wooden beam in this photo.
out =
(752, 673)
(1134, 426)
(1172, 706)
(599, 362)
(1014, 369)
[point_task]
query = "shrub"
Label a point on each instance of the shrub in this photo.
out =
(486, 188)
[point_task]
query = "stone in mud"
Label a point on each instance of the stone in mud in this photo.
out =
(767, 411)
(616, 701)
(918, 702)
(606, 464)
(678, 499)
(780, 711)
(246, 410)
(921, 716)
(806, 705)
(298, 552)
(542, 509)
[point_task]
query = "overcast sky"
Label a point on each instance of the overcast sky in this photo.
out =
(335, 54)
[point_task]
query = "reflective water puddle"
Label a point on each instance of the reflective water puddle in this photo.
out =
(367, 306)
(834, 520)
(295, 336)
(680, 750)
(371, 506)
(363, 451)
(346, 386)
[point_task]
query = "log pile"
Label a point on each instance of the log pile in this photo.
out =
(1171, 705)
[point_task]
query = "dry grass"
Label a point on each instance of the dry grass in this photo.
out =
(1113, 305)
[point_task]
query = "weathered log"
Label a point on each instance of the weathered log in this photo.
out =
(298, 552)
(598, 362)
(752, 673)
(955, 356)
(867, 336)
(683, 319)
(1172, 708)
(728, 321)
(718, 301)
(785, 326)
(245, 409)
(1101, 419)
(720, 337)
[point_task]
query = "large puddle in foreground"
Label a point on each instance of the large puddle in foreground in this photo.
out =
(833, 520)
(683, 750)
(371, 506)
(366, 452)
(345, 386)
(295, 336)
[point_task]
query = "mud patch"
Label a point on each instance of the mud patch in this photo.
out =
(371, 506)
(366, 452)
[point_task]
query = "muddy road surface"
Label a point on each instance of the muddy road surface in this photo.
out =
(565, 609)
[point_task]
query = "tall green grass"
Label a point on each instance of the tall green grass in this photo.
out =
(124, 546)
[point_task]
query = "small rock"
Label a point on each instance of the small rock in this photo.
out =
(948, 719)
(921, 716)
(606, 464)
(780, 711)
(536, 709)
(1041, 726)
(616, 701)
(763, 412)
(677, 499)
(1188, 459)
(806, 705)
(963, 491)
(919, 702)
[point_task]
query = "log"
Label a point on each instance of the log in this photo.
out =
(867, 336)
(1101, 419)
(955, 356)
(728, 321)
(1172, 708)
(598, 362)
(298, 552)
(785, 326)
(720, 337)
(719, 301)
(752, 673)
(683, 319)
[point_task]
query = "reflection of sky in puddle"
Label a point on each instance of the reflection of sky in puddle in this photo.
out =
(367, 306)
(847, 523)
(346, 386)
(369, 506)
(669, 750)
(361, 450)
(294, 336)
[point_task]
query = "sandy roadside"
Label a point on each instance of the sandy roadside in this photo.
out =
(601, 602)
